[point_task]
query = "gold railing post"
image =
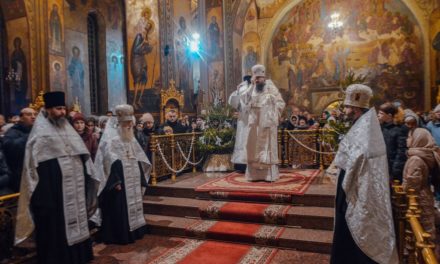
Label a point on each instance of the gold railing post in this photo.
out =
(320, 137)
(173, 157)
(286, 148)
(399, 207)
(153, 143)
(280, 148)
(194, 150)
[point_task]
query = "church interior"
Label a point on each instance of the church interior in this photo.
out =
(186, 58)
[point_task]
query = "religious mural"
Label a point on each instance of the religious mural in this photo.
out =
(78, 86)
(13, 9)
(56, 30)
(19, 62)
(214, 49)
(378, 39)
(186, 65)
(115, 74)
(64, 16)
(57, 73)
(268, 8)
(143, 54)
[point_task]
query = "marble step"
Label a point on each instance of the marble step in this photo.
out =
(302, 239)
(299, 216)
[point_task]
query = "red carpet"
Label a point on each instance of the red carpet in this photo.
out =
(234, 186)
(247, 212)
(194, 251)
(234, 231)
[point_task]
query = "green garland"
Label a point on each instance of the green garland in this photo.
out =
(218, 139)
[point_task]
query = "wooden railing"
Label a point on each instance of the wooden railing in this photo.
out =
(413, 243)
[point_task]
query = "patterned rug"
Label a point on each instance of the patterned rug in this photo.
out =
(197, 251)
(265, 235)
(246, 212)
(290, 183)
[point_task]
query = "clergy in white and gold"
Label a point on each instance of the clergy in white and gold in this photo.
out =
(264, 104)
(123, 169)
(239, 157)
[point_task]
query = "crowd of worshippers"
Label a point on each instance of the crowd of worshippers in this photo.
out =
(42, 143)
(69, 183)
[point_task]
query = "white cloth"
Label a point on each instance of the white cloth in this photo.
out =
(265, 110)
(362, 154)
(111, 148)
(239, 156)
(47, 142)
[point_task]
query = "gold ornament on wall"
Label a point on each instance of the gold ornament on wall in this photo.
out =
(38, 102)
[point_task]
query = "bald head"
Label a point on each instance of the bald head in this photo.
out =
(27, 116)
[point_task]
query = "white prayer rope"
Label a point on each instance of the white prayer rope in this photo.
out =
(308, 148)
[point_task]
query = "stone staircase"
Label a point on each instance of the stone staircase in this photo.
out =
(174, 210)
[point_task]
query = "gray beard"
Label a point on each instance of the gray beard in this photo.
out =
(126, 134)
(60, 122)
(260, 87)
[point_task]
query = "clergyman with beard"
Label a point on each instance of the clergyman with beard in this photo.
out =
(264, 104)
(123, 169)
(363, 216)
(58, 188)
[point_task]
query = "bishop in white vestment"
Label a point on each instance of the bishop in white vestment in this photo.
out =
(264, 103)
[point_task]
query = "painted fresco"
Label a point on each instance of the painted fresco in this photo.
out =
(110, 14)
(214, 32)
(239, 18)
(115, 74)
(379, 39)
(56, 29)
(251, 51)
(187, 70)
(57, 73)
(216, 90)
(77, 70)
(19, 62)
(13, 9)
(215, 56)
(268, 8)
(143, 52)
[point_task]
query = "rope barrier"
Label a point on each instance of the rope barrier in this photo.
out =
(187, 158)
(308, 148)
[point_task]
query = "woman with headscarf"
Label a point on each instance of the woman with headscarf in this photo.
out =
(423, 162)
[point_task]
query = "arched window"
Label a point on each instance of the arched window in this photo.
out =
(93, 46)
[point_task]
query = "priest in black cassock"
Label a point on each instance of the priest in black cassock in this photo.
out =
(58, 188)
(364, 229)
(123, 169)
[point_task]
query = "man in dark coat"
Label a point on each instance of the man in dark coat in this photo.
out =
(4, 174)
(395, 140)
(57, 190)
(14, 144)
(123, 168)
(173, 123)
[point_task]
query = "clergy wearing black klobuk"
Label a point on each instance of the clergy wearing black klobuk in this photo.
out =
(58, 188)
(364, 229)
(123, 169)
